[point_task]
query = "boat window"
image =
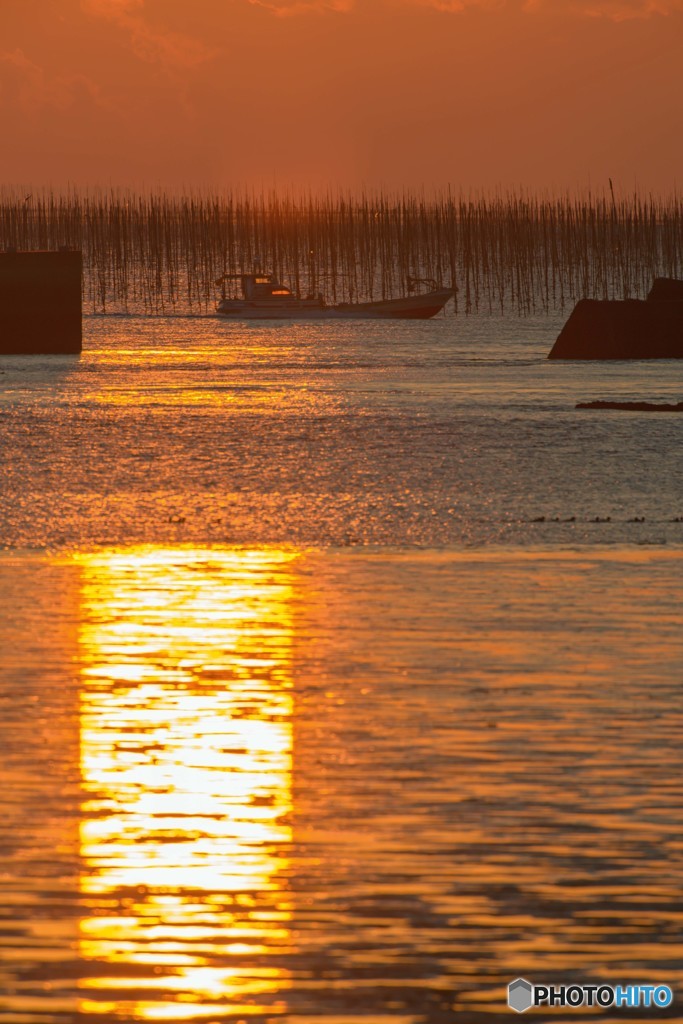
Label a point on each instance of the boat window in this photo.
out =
(280, 291)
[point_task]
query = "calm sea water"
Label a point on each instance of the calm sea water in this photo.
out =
(404, 434)
(340, 674)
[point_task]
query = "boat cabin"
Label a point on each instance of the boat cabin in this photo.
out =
(262, 286)
(257, 287)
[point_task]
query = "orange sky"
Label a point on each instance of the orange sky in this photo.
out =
(549, 94)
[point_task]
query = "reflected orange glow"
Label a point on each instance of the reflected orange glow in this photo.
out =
(186, 764)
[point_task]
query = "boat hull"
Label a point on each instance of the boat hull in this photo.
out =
(415, 307)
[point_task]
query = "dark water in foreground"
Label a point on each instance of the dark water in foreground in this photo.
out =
(302, 715)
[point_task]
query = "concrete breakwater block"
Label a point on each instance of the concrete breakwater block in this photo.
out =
(40, 302)
(631, 329)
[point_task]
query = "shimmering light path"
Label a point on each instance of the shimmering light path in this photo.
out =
(186, 760)
(255, 783)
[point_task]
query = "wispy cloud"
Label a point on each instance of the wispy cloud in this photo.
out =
(458, 6)
(626, 10)
(292, 8)
(616, 10)
(173, 49)
(33, 88)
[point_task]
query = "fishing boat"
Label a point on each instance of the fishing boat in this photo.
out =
(264, 298)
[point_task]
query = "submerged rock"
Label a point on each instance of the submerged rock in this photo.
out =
(634, 406)
(630, 329)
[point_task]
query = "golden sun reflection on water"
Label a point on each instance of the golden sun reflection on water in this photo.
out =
(186, 765)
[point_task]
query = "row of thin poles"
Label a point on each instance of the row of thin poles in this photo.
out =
(163, 253)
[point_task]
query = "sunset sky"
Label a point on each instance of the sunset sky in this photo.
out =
(550, 94)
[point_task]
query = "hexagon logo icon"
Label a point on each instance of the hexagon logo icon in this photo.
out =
(520, 995)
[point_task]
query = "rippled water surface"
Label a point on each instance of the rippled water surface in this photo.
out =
(451, 431)
(338, 681)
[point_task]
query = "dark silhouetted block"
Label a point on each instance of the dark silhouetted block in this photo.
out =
(632, 329)
(40, 302)
(666, 289)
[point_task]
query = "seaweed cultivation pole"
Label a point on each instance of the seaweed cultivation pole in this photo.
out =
(160, 253)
